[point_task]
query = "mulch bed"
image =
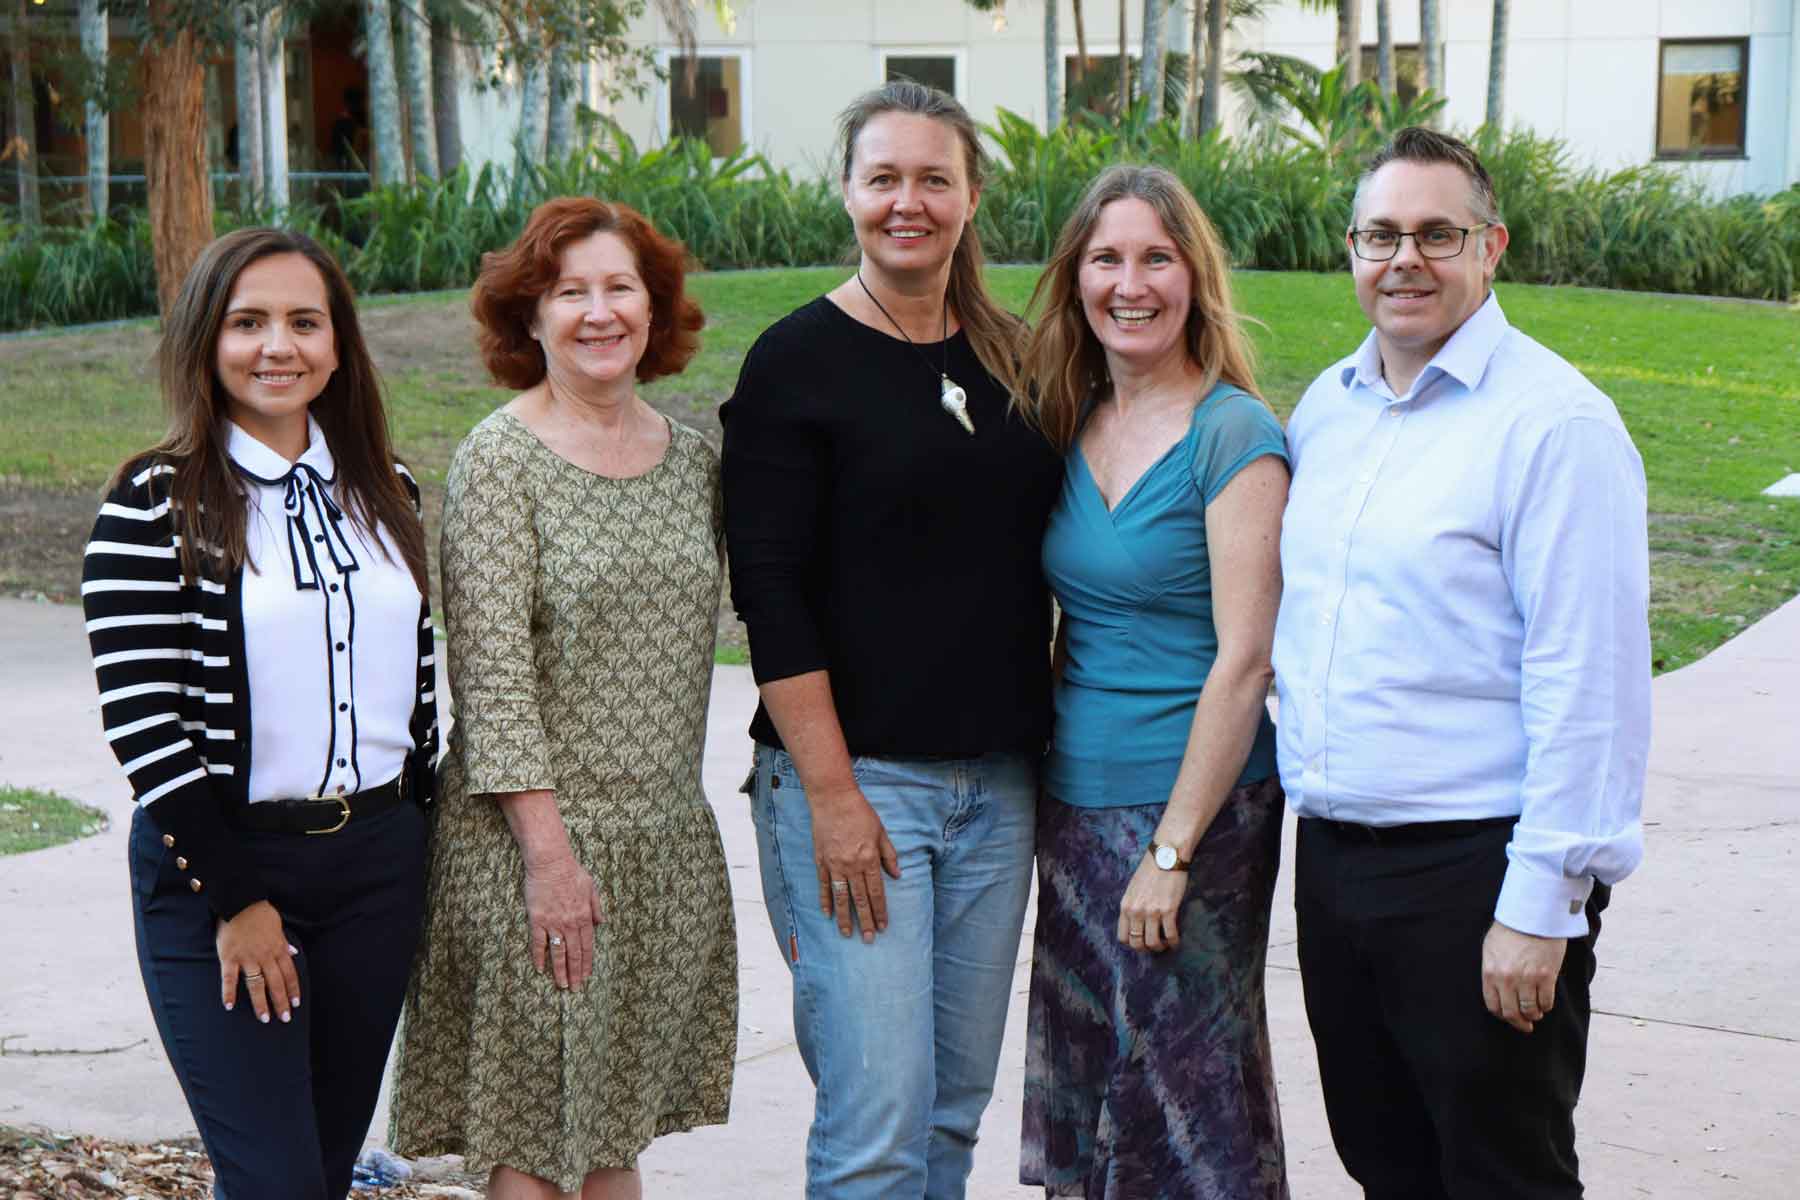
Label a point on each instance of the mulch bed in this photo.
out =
(35, 1165)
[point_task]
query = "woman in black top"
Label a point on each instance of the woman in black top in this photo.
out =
(255, 600)
(884, 508)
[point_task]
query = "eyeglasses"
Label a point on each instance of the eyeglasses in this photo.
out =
(1440, 241)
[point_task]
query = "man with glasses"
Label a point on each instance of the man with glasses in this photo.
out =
(1463, 660)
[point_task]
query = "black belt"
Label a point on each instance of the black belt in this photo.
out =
(1407, 835)
(321, 814)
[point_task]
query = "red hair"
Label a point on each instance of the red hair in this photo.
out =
(513, 280)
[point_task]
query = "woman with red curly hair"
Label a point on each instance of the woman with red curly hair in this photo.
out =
(549, 1041)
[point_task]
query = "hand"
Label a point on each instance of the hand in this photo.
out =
(254, 947)
(1518, 975)
(851, 848)
(1151, 909)
(562, 903)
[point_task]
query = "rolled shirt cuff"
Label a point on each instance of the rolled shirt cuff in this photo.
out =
(1543, 905)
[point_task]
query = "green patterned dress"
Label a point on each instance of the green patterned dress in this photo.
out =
(581, 612)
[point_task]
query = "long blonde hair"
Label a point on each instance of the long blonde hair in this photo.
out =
(1064, 364)
(996, 336)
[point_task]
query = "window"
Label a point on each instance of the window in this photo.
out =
(711, 104)
(932, 70)
(1700, 99)
(1409, 70)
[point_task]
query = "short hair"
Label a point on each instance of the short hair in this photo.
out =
(512, 281)
(1417, 144)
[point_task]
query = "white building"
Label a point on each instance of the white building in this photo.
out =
(1714, 84)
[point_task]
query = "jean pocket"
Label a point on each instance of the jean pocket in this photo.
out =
(146, 855)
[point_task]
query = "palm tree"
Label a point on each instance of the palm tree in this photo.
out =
(384, 92)
(24, 131)
(1431, 45)
(559, 132)
(1154, 71)
(176, 179)
(1052, 68)
(93, 49)
(1124, 64)
(1384, 48)
(1215, 66)
(271, 67)
(247, 58)
(415, 81)
(1081, 54)
(1496, 114)
(445, 93)
(1350, 40)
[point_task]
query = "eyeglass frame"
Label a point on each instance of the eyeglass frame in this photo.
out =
(1400, 236)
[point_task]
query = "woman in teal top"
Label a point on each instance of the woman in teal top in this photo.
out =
(1148, 1071)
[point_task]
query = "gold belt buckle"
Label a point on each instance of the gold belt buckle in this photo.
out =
(344, 820)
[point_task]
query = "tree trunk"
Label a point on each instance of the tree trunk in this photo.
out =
(24, 130)
(559, 136)
(1052, 68)
(1384, 47)
(94, 49)
(1124, 64)
(1190, 104)
(388, 151)
(1215, 65)
(272, 51)
(1350, 40)
(1081, 54)
(175, 168)
(531, 110)
(415, 69)
(1496, 97)
(1150, 74)
(445, 95)
(247, 63)
(1431, 46)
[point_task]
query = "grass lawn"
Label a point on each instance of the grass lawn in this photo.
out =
(32, 820)
(1709, 389)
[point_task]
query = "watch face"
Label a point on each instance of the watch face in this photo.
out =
(1165, 857)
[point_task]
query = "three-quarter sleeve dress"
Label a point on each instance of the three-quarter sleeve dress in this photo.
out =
(582, 613)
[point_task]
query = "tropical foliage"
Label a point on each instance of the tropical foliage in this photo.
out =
(1281, 203)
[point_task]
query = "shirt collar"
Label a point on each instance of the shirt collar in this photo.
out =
(258, 462)
(1465, 357)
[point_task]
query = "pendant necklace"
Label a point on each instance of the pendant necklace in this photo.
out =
(954, 400)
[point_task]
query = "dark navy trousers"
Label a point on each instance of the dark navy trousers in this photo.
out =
(283, 1108)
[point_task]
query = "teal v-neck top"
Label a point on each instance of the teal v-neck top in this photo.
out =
(1135, 586)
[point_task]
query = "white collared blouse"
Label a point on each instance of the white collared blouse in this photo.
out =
(330, 616)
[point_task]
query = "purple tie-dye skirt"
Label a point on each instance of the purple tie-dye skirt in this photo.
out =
(1149, 1076)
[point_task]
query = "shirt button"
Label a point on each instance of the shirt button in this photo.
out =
(195, 884)
(340, 645)
(169, 839)
(1318, 693)
(343, 708)
(334, 587)
(341, 763)
(1324, 618)
(318, 537)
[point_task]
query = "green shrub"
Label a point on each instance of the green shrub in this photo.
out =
(1280, 202)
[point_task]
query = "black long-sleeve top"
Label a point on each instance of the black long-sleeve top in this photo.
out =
(871, 537)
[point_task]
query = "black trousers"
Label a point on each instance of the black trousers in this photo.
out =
(1428, 1095)
(283, 1108)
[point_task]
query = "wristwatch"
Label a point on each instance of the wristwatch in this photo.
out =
(1167, 858)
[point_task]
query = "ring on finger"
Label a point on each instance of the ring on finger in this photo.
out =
(839, 885)
(556, 939)
(1528, 1002)
(249, 975)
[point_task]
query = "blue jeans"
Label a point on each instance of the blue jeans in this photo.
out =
(902, 1036)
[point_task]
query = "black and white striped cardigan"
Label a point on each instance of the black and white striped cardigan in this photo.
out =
(174, 691)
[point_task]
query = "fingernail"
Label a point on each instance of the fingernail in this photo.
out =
(296, 1002)
(228, 1006)
(292, 950)
(263, 1017)
(284, 1018)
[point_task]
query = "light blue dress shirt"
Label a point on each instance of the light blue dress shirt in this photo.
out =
(1464, 622)
(1135, 586)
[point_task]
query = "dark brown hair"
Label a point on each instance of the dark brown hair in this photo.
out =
(996, 336)
(513, 280)
(207, 498)
(1417, 144)
(1065, 363)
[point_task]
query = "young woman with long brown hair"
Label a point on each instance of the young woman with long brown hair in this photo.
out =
(255, 595)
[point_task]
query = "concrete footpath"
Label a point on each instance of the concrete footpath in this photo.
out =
(1693, 1087)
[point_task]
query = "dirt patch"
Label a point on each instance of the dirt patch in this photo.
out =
(42, 533)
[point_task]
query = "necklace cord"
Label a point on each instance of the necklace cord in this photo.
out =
(944, 374)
